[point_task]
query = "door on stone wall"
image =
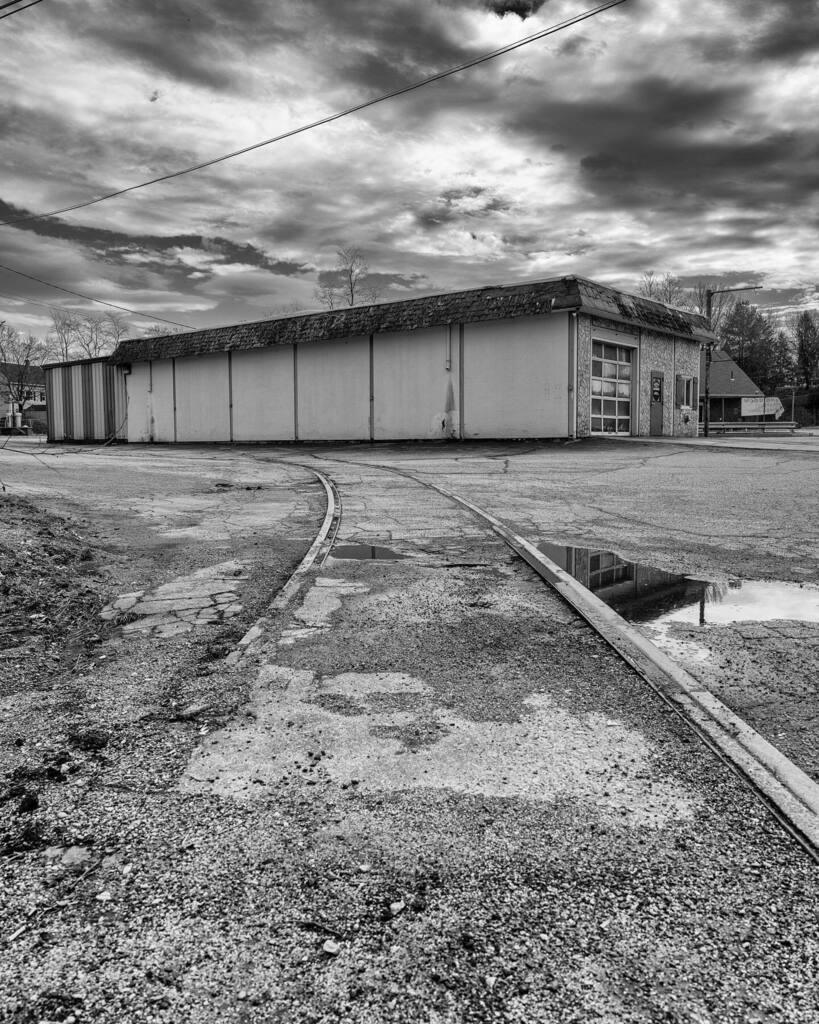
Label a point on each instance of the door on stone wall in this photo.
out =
(657, 389)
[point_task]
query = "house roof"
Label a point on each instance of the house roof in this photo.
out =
(727, 379)
(477, 304)
(17, 372)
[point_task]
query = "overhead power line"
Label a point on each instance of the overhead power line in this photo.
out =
(551, 30)
(19, 9)
(90, 298)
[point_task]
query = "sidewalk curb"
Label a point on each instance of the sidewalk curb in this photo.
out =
(790, 794)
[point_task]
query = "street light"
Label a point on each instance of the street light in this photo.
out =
(709, 345)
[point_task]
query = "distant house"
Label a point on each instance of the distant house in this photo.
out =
(23, 392)
(729, 386)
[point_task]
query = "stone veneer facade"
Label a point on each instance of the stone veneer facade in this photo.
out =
(659, 352)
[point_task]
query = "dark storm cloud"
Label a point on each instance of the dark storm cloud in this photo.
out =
(458, 204)
(376, 280)
(662, 142)
(522, 8)
(156, 252)
(197, 43)
(789, 29)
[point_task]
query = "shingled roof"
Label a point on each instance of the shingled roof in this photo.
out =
(727, 379)
(473, 306)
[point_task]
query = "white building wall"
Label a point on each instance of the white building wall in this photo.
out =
(202, 398)
(263, 399)
(149, 389)
(333, 390)
(516, 378)
(415, 383)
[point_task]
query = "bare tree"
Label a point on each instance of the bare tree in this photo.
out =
(97, 334)
(160, 330)
(349, 283)
(21, 356)
(722, 303)
(85, 335)
(664, 288)
(63, 334)
(668, 289)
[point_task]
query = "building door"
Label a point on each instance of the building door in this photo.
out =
(657, 389)
(611, 377)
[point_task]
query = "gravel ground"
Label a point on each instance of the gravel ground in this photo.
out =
(318, 898)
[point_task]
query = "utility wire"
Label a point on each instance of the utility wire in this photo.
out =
(558, 27)
(90, 298)
(33, 2)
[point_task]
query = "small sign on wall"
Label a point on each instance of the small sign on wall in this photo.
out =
(656, 389)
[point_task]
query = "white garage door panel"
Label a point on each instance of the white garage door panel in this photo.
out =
(202, 398)
(415, 395)
(516, 378)
(263, 394)
(334, 390)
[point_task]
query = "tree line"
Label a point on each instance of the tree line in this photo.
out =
(773, 352)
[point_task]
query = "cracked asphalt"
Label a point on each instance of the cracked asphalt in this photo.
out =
(433, 793)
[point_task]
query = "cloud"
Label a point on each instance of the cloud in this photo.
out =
(522, 8)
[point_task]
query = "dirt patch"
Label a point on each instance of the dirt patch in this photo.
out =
(51, 589)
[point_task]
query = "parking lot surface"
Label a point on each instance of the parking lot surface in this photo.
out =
(431, 793)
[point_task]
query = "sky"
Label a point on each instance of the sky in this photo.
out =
(678, 136)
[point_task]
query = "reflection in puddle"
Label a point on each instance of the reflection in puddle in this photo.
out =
(366, 551)
(653, 597)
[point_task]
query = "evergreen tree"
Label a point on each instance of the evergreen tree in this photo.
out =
(751, 340)
(807, 347)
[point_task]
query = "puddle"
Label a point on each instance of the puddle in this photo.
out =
(652, 597)
(366, 551)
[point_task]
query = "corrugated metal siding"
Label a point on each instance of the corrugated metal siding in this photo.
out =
(77, 410)
(84, 400)
(54, 404)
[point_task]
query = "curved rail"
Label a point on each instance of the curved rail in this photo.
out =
(317, 552)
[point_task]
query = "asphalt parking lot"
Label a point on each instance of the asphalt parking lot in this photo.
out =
(432, 793)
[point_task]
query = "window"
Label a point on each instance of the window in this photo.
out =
(611, 376)
(606, 569)
(686, 391)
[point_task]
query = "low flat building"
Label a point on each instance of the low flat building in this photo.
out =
(561, 358)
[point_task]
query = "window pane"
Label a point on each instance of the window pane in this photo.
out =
(623, 408)
(610, 352)
(609, 388)
(597, 407)
(609, 425)
(597, 349)
(610, 369)
(597, 387)
(624, 390)
(610, 407)
(624, 426)
(597, 368)
(624, 371)
(625, 355)
(594, 562)
(597, 424)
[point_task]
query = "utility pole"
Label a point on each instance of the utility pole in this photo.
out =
(709, 346)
